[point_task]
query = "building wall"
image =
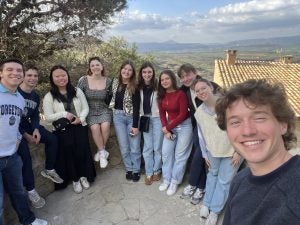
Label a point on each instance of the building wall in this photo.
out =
(217, 75)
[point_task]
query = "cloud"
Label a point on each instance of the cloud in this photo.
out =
(255, 6)
(252, 19)
(139, 21)
(256, 12)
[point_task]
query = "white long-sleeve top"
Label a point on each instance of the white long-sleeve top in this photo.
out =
(154, 104)
(53, 109)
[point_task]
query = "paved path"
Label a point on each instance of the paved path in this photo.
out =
(113, 200)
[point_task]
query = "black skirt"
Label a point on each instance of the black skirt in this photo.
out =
(74, 157)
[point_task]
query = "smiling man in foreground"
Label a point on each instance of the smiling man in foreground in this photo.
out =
(260, 125)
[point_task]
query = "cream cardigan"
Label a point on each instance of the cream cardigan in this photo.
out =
(54, 109)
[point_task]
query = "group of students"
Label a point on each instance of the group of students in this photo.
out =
(177, 121)
(193, 116)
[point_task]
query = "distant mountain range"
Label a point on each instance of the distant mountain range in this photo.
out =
(267, 43)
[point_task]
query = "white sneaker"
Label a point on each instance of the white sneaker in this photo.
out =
(36, 200)
(204, 212)
(52, 175)
(97, 156)
(172, 189)
(188, 191)
(212, 219)
(163, 187)
(77, 187)
(196, 198)
(103, 158)
(84, 183)
(40, 222)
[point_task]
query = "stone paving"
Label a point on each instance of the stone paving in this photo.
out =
(113, 200)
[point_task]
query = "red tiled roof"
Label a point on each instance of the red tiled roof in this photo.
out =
(286, 73)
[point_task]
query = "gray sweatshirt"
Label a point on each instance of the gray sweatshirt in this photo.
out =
(11, 109)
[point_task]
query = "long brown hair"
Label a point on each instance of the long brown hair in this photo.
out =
(89, 72)
(160, 90)
(132, 81)
(153, 81)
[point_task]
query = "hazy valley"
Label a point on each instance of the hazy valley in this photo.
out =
(171, 54)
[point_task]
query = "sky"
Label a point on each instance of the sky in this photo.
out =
(205, 21)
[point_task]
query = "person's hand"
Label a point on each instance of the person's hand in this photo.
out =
(235, 160)
(37, 136)
(207, 162)
(76, 120)
(164, 130)
(29, 138)
(168, 135)
(135, 131)
(70, 116)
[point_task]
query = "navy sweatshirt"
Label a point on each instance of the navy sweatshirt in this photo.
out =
(30, 118)
(271, 199)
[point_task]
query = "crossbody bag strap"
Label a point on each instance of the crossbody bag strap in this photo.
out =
(152, 96)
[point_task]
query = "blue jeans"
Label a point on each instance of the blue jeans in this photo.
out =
(51, 146)
(129, 146)
(219, 178)
(152, 146)
(11, 173)
(1, 198)
(175, 153)
(197, 176)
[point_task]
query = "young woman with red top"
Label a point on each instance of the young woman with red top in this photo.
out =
(177, 129)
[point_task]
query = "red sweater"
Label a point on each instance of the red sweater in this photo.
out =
(173, 109)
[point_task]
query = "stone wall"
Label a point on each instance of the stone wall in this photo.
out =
(45, 186)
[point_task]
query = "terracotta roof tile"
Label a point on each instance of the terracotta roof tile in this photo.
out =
(288, 74)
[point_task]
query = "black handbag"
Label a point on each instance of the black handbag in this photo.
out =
(145, 120)
(61, 123)
(109, 93)
(144, 124)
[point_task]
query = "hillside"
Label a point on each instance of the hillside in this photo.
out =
(171, 54)
(276, 43)
(204, 60)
